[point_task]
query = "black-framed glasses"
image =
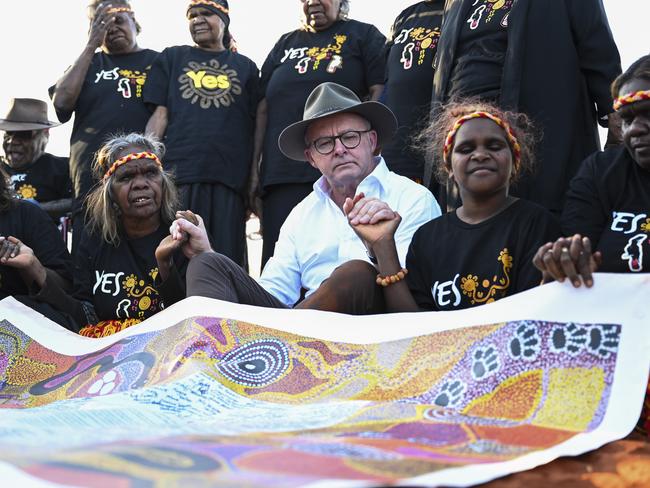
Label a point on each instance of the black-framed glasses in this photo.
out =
(350, 139)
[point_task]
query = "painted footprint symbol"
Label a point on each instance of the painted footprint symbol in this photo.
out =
(603, 340)
(526, 342)
(485, 362)
(569, 338)
(450, 393)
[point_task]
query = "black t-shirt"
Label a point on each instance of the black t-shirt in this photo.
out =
(409, 78)
(120, 282)
(45, 180)
(349, 53)
(482, 46)
(211, 98)
(31, 225)
(110, 102)
(609, 202)
(454, 265)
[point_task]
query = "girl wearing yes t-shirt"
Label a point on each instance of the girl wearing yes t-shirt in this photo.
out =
(482, 251)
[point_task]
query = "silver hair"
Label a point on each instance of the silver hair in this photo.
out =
(344, 14)
(41, 138)
(103, 213)
(344, 10)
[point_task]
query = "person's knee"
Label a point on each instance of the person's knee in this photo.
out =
(209, 263)
(355, 273)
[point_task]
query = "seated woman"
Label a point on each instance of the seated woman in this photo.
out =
(480, 252)
(126, 267)
(607, 210)
(31, 249)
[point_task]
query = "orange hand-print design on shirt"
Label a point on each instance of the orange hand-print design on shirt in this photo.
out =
(486, 291)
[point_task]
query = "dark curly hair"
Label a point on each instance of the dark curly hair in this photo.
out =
(639, 70)
(431, 140)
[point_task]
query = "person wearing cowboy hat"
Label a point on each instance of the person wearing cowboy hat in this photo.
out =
(318, 251)
(34, 174)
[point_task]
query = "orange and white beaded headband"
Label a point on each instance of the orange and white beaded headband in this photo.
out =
(636, 96)
(131, 157)
(510, 135)
(117, 10)
(195, 3)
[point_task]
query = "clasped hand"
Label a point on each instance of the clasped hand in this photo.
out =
(371, 219)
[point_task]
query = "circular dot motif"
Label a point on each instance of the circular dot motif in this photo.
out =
(255, 364)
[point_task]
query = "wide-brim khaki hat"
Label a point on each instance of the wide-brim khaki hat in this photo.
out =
(26, 114)
(330, 99)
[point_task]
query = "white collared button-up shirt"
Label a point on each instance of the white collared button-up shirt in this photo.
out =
(316, 237)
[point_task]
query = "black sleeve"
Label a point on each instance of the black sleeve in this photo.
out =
(53, 294)
(373, 50)
(415, 279)
(172, 290)
(83, 266)
(48, 246)
(64, 183)
(253, 88)
(598, 55)
(270, 63)
(62, 115)
(583, 212)
(65, 115)
(43, 237)
(544, 228)
(157, 85)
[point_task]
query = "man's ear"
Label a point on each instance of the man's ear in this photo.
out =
(373, 141)
(309, 158)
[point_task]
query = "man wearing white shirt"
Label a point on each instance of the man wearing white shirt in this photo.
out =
(317, 251)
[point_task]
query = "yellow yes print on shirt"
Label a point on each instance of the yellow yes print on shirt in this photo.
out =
(486, 290)
(209, 84)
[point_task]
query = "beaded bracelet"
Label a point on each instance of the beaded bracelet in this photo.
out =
(389, 280)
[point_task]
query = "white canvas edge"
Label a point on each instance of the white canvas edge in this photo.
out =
(586, 306)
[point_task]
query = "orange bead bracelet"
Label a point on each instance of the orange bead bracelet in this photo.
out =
(390, 279)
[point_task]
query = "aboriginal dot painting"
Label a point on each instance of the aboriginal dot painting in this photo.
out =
(213, 400)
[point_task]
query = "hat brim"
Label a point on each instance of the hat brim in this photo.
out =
(9, 125)
(382, 121)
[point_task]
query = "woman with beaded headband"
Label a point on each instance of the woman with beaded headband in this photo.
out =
(480, 252)
(327, 47)
(103, 89)
(203, 99)
(127, 267)
(607, 210)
